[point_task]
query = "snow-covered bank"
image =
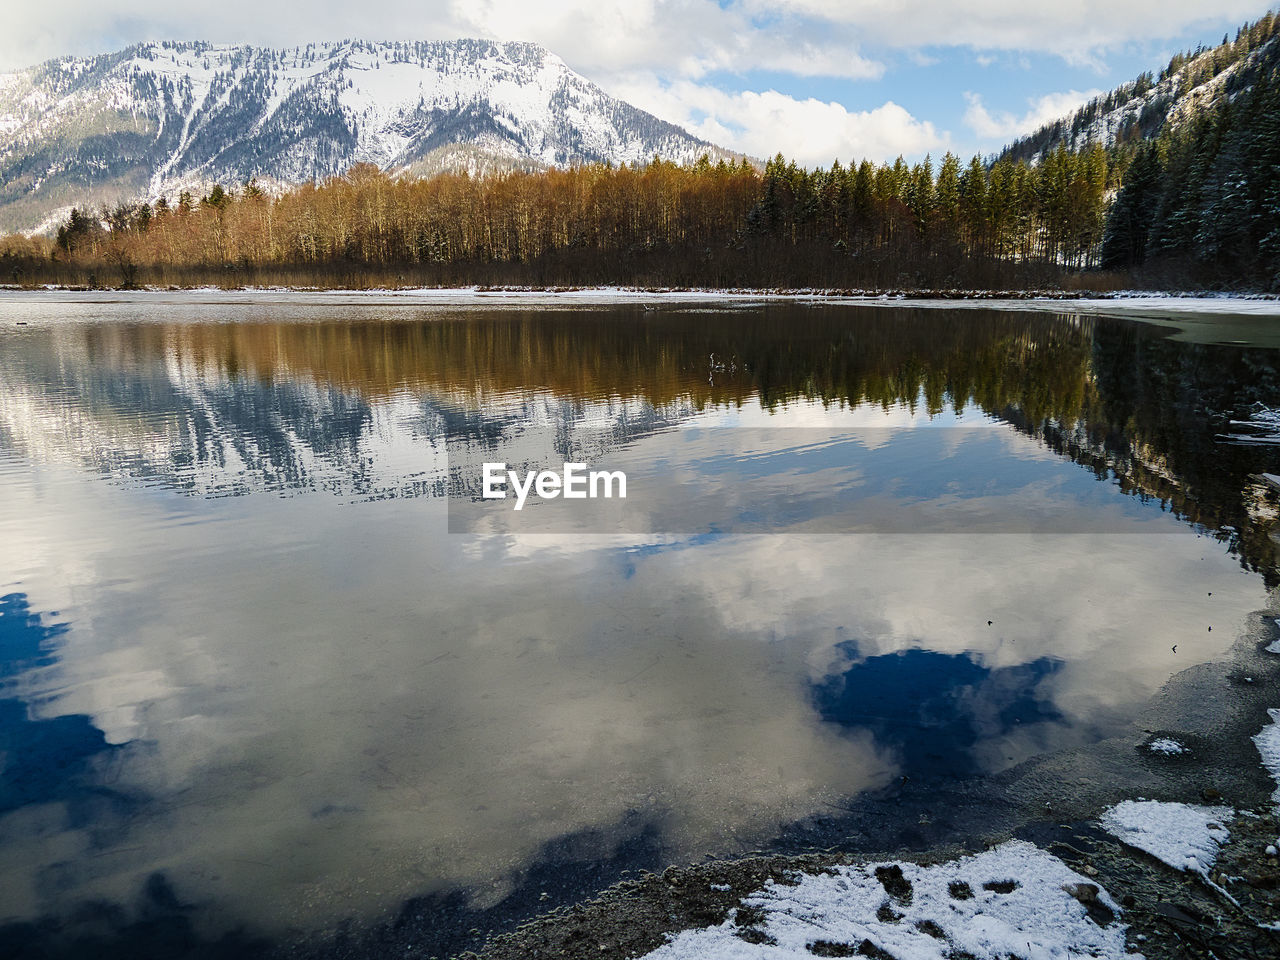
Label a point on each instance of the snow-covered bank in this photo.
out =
(1242, 319)
(1121, 302)
(1268, 742)
(1013, 900)
(1185, 837)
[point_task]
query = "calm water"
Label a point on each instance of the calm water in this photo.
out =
(253, 689)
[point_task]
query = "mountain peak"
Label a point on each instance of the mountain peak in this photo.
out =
(161, 116)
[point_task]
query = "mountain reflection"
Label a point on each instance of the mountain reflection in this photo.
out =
(363, 407)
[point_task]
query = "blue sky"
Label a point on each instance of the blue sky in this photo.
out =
(814, 79)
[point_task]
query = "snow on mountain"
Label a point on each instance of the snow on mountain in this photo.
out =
(1144, 107)
(159, 117)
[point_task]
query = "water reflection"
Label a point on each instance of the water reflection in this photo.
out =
(47, 758)
(961, 702)
(357, 401)
(321, 704)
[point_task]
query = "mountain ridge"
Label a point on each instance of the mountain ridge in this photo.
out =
(158, 117)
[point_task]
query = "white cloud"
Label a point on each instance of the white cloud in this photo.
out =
(683, 38)
(1003, 125)
(664, 54)
(810, 131)
(1071, 30)
(687, 37)
(680, 37)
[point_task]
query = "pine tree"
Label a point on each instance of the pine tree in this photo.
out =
(947, 197)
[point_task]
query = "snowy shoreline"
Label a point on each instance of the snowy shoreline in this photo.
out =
(1123, 302)
(608, 292)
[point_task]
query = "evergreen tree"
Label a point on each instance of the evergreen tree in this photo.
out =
(1129, 225)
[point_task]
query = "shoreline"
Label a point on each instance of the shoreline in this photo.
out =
(610, 291)
(1133, 304)
(1193, 316)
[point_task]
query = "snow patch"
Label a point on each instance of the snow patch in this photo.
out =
(1185, 837)
(1268, 742)
(1035, 917)
(1168, 746)
(1261, 427)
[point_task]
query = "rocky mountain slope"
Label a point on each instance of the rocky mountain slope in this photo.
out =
(158, 117)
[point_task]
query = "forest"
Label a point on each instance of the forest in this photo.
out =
(1203, 199)
(1146, 105)
(659, 224)
(1196, 202)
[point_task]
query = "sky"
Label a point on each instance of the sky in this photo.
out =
(819, 80)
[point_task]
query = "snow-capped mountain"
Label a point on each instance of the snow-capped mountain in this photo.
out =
(1144, 107)
(157, 117)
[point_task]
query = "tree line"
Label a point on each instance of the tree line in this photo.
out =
(1008, 224)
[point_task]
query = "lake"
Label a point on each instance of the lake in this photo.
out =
(275, 678)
